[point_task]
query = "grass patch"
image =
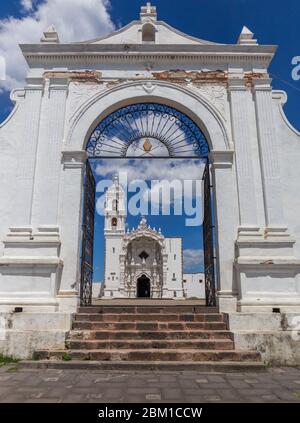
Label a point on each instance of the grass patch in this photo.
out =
(66, 357)
(12, 370)
(6, 359)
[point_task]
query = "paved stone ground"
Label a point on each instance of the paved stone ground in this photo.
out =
(75, 386)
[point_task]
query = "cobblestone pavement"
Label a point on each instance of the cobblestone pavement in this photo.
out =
(74, 386)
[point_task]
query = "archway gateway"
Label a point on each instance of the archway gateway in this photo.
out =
(152, 131)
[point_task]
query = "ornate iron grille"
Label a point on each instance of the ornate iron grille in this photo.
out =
(208, 242)
(147, 128)
(88, 238)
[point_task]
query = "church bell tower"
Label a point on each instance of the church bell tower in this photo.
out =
(114, 231)
(115, 212)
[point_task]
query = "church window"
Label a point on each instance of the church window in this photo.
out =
(174, 256)
(184, 280)
(143, 255)
(148, 33)
(114, 250)
(200, 280)
(114, 222)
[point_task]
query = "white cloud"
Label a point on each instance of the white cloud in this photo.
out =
(75, 20)
(155, 170)
(27, 5)
(183, 169)
(192, 258)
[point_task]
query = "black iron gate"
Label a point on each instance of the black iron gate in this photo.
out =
(87, 238)
(208, 241)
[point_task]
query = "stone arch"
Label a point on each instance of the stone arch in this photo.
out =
(198, 108)
(203, 113)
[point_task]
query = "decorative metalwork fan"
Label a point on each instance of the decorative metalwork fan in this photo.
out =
(147, 130)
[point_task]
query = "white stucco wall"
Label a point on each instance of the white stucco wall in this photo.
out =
(194, 285)
(174, 267)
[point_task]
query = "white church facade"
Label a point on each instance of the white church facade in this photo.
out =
(223, 93)
(142, 263)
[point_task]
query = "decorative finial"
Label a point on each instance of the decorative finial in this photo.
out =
(247, 37)
(143, 223)
(50, 36)
(147, 146)
(148, 12)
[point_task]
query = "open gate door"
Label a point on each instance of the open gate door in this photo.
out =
(208, 241)
(87, 237)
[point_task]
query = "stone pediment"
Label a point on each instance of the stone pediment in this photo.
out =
(164, 34)
(148, 30)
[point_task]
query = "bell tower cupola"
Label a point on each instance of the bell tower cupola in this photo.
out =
(115, 211)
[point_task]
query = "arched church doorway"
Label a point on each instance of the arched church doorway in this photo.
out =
(143, 287)
(145, 131)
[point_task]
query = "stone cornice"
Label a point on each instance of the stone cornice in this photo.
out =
(74, 159)
(209, 53)
(221, 159)
(263, 84)
(236, 84)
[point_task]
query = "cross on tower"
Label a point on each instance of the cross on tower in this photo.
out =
(148, 11)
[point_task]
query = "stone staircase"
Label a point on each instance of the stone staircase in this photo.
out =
(135, 337)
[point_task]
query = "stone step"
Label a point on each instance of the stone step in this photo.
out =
(150, 317)
(149, 355)
(140, 334)
(167, 366)
(207, 344)
(134, 309)
(148, 326)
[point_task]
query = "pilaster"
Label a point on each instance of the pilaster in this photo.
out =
(240, 98)
(70, 220)
(47, 170)
(27, 150)
(226, 217)
(275, 222)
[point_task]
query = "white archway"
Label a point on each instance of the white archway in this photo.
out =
(210, 121)
(195, 106)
